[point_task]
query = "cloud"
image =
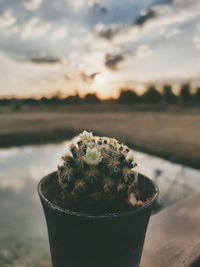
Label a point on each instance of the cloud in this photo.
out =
(196, 37)
(88, 78)
(35, 28)
(112, 61)
(143, 52)
(45, 60)
(77, 5)
(7, 19)
(8, 24)
(99, 35)
(32, 4)
(107, 31)
(87, 8)
(196, 41)
(173, 15)
(97, 6)
(59, 34)
(66, 77)
(144, 17)
(172, 32)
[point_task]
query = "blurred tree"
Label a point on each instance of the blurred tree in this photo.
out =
(91, 98)
(185, 93)
(197, 96)
(30, 101)
(55, 100)
(127, 96)
(152, 95)
(73, 100)
(4, 101)
(168, 96)
(44, 100)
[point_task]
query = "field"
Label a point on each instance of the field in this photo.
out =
(174, 135)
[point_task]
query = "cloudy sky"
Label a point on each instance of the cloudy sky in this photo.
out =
(97, 45)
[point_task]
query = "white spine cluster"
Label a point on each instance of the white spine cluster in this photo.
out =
(93, 156)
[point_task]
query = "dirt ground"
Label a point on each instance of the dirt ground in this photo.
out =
(171, 135)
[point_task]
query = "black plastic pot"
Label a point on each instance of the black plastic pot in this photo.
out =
(84, 240)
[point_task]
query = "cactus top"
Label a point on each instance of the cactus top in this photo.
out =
(100, 147)
(99, 169)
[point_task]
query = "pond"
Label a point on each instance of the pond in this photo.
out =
(23, 235)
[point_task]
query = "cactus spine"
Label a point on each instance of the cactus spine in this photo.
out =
(97, 175)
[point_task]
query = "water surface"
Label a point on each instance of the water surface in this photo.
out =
(23, 235)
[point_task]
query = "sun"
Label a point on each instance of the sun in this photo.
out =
(101, 84)
(100, 80)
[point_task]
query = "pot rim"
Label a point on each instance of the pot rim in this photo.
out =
(90, 215)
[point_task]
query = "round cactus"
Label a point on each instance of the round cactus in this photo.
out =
(97, 175)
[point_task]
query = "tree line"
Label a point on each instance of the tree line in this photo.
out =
(126, 96)
(166, 95)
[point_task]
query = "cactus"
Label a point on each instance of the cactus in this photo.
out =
(98, 175)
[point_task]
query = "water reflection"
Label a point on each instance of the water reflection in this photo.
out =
(23, 236)
(175, 181)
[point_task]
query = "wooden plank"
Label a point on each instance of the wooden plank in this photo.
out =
(173, 235)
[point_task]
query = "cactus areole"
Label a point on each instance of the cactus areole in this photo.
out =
(97, 206)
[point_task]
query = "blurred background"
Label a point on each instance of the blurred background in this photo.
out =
(127, 69)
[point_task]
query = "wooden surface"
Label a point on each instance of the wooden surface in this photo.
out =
(173, 236)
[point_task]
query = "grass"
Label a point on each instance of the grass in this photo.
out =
(173, 134)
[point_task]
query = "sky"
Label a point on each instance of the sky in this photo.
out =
(97, 45)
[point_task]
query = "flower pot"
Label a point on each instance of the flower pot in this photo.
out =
(105, 240)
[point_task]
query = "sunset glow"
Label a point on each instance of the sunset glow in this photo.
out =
(48, 46)
(102, 85)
